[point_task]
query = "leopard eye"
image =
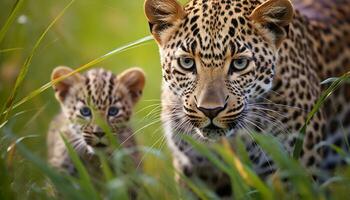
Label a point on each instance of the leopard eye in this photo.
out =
(239, 64)
(113, 111)
(186, 63)
(85, 111)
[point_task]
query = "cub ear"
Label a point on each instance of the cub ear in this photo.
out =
(274, 16)
(62, 87)
(161, 15)
(134, 80)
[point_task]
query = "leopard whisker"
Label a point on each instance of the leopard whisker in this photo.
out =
(137, 131)
(254, 107)
(275, 122)
(149, 106)
(269, 102)
(152, 146)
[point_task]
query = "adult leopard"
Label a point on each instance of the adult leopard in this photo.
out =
(230, 66)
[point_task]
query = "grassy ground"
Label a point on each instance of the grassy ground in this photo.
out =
(88, 30)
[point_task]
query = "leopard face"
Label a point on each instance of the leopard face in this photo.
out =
(218, 56)
(95, 99)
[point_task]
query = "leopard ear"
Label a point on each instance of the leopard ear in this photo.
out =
(273, 18)
(62, 87)
(161, 15)
(134, 80)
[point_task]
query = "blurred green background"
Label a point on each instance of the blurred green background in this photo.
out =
(87, 30)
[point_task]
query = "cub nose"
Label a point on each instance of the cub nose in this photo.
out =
(211, 113)
(99, 134)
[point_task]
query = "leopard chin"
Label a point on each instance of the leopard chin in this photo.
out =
(213, 135)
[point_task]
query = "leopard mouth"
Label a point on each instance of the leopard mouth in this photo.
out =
(95, 142)
(100, 145)
(214, 132)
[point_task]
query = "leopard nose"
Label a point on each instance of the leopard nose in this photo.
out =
(99, 134)
(211, 112)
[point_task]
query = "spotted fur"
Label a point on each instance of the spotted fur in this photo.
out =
(288, 55)
(97, 90)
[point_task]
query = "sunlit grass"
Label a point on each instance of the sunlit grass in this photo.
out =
(4, 29)
(24, 69)
(336, 83)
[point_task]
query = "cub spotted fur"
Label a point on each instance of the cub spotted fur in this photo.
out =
(82, 99)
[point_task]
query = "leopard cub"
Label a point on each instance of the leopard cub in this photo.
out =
(86, 100)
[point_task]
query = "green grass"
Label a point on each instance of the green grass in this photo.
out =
(114, 35)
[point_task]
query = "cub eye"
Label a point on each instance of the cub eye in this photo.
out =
(85, 111)
(113, 111)
(239, 64)
(186, 63)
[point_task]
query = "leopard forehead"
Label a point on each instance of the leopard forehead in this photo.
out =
(103, 89)
(215, 32)
(99, 89)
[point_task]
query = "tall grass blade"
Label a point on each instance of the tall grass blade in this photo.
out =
(11, 150)
(6, 191)
(332, 79)
(287, 166)
(62, 184)
(118, 189)
(237, 183)
(17, 114)
(84, 177)
(40, 90)
(204, 150)
(198, 191)
(336, 83)
(107, 171)
(10, 49)
(24, 69)
(239, 177)
(10, 19)
(247, 174)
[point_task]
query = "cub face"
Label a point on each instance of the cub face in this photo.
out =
(97, 95)
(217, 56)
